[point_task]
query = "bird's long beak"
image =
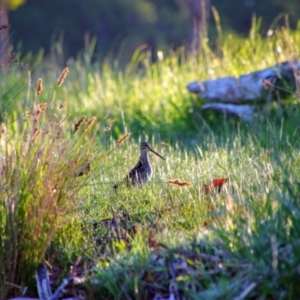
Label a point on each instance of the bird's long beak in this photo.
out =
(153, 151)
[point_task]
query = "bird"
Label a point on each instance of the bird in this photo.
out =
(142, 172)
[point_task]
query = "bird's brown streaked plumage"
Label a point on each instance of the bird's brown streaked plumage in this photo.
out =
(142, 172)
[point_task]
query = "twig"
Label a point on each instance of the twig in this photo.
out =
(250, 287)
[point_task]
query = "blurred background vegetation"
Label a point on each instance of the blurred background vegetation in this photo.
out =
(120, 26)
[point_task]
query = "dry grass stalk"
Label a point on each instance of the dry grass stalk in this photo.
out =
(39, 110)
(79, 123)
(3, 129)
(89, 124)
(3, 135)
(62, 121)
(108, 128)
(267, 84)
(229, 204)
(179, 182)
(42, 107)
(123, 139)
(36, 134)
(39, 87)
(61, 105)
(62, 76)
(152, 239)
(37, 166)
(165, 144)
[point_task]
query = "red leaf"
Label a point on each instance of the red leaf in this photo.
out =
(220, 182)
(215, 183)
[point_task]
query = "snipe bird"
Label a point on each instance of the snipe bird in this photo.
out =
(142, 172)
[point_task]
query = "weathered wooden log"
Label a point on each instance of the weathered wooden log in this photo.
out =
(243, 112)
(246, 88)
(237, 96)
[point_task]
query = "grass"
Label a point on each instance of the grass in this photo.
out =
(179, 242)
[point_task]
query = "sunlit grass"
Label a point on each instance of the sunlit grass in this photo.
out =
(255, 197)
(151, 98)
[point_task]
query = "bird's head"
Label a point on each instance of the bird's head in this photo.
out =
(145, 146)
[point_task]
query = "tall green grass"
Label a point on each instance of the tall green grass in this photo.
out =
(43, 160)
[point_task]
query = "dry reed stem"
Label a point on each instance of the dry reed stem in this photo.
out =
(90, 124)
(79, 123)
(165, 144)
(120, 141)
(62, 76)
(39, 87)
(179, 182)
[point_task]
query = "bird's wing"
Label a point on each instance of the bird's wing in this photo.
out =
(133, 172)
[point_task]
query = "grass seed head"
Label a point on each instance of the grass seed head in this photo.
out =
(62, 76)
(79, 123)
(108, 128)
(42, 107)
(61, 105)
(36, 134)
(39, 110)
(123, 139)
(90, 124)
(39, 87)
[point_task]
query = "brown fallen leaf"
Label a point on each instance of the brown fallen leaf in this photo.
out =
(179, 182)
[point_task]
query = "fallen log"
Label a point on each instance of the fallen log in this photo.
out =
(238, 96)
(243, 112)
